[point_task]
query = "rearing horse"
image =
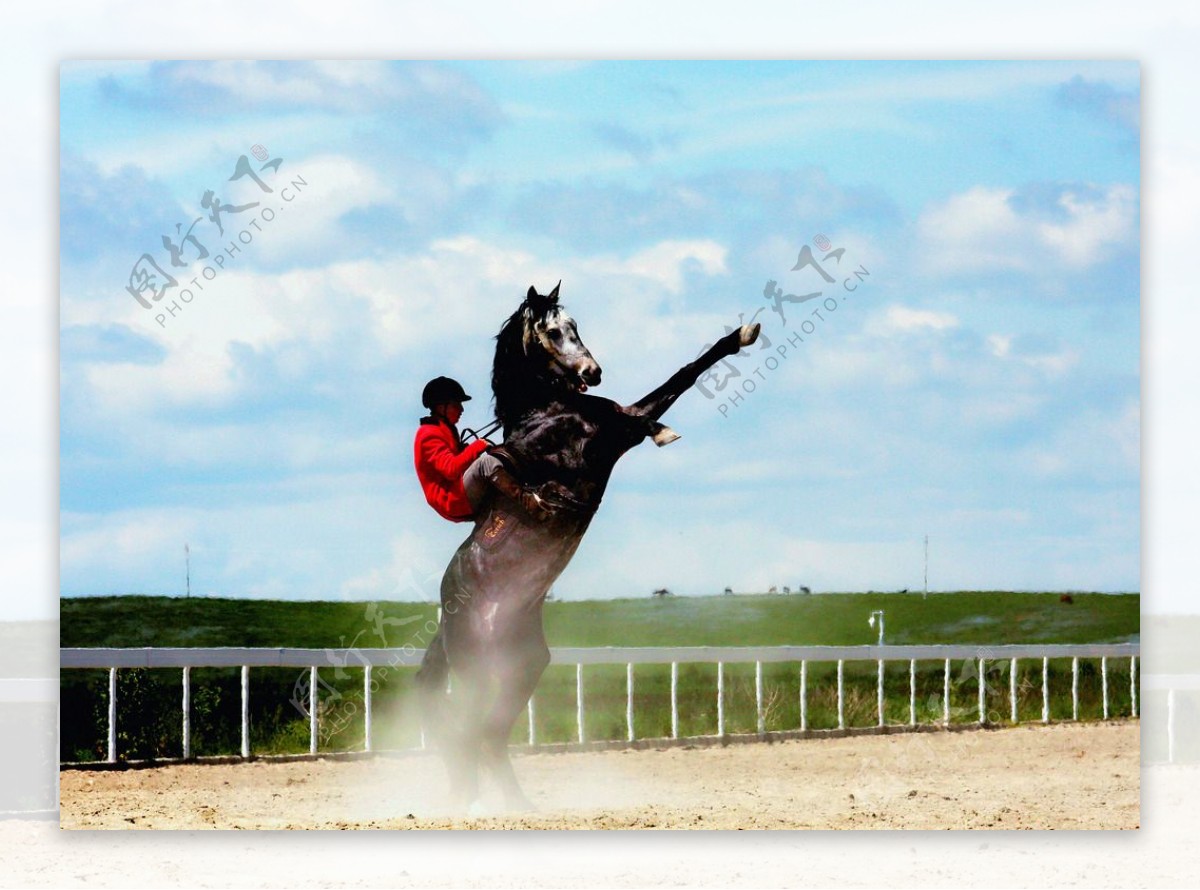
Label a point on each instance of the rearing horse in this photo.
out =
(562, 443)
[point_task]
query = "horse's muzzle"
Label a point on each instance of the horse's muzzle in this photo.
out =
(590, 374)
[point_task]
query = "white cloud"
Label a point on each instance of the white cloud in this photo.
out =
(307, 538)
(409, 575)
(308, 225)
(988, 229)
(342, 86)
(123, 545)
(956, 82)
(902, 318)
(1092, 225)
(1053, 362)
(458, 290)
(975, 230)
(664, 263)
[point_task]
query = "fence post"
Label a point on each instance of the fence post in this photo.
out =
(112, 715)
(629, 701)
(187, 713)
(532, 731)
(1104, 684)
(841, 696)
(245, 710)
(579, 701)
(804, 696)
(879, 692)
(946, 694)
(758, 697)
(313, 701)
(1012, 689)
(1133, 687)
(982, 694)
(367, 707)
(1075, 688)
(720, 698)
(912, 692)
(1170, 726)
(674, 699)
(1045, 689)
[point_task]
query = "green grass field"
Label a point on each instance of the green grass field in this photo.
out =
(149, 700)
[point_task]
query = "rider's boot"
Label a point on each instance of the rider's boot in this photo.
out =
(507, 485)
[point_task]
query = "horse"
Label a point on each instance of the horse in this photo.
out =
(561, 442)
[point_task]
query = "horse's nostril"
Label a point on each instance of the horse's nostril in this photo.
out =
(591, 376)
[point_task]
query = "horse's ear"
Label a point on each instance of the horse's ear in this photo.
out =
(553, 295)
(532, 295)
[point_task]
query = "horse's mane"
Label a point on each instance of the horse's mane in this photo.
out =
(518, 380)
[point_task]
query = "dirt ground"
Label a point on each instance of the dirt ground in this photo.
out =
(1029, 777)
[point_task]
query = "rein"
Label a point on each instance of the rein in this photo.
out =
(469, 434)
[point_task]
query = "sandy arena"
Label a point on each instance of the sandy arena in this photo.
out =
(1060, 776)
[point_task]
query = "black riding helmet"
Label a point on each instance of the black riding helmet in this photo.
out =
(442, 390)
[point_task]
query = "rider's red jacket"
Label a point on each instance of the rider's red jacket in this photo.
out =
(441, 461)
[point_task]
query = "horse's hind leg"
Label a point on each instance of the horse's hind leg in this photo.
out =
(517, 681)
(462, 748)
(452, 723)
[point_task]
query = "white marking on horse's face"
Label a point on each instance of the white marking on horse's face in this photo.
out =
(558, 337)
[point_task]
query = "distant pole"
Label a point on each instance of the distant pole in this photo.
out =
(926, 593)
(871, 621)
(187, 562)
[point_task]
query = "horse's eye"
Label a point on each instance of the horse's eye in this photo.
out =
(555, 335)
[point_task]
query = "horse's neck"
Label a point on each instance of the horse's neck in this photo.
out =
(522, 394)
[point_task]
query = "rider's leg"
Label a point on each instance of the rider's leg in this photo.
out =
(477, 479)
(487, 473)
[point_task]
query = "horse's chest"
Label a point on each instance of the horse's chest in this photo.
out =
(577, 442)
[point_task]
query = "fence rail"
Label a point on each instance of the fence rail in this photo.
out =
(113, 660)
(285, 657)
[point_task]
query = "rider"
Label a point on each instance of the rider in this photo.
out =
(455, 477)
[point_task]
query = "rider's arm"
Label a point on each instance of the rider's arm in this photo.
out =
(437, 453)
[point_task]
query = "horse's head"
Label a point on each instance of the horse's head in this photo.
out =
(540, 343)
(550, 339)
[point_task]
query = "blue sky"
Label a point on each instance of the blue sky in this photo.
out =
(980, 386)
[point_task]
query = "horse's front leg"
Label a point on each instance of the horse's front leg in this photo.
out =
(656, 403)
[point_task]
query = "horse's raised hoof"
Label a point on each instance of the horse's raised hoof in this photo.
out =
(664, 435)
(748, 333)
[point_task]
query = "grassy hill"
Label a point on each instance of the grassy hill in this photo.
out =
(985, 617)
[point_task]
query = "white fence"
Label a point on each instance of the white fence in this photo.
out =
(1172, 684)
(367, 659)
